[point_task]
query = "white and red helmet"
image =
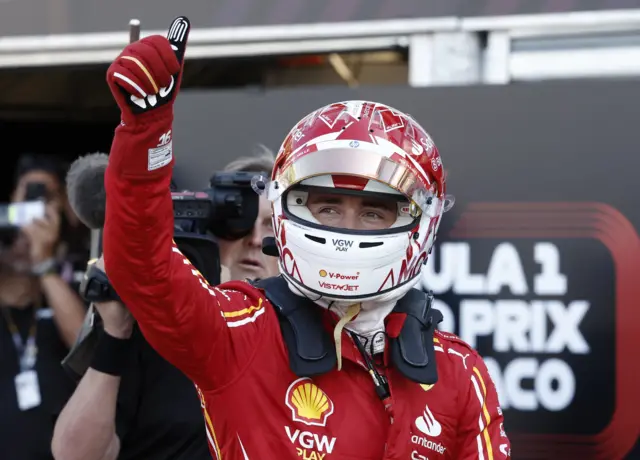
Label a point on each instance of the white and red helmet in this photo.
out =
(364, 148)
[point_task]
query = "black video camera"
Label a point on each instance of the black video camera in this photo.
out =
(227, 209)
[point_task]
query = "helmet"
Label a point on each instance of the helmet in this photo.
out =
(356, 147)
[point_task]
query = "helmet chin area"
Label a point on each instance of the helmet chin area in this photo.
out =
(331, 294)
(342, 268)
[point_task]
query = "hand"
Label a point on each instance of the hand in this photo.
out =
(43, 235)
(116, 319)
(146, 76)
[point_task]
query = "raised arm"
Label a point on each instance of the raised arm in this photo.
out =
(180, 315)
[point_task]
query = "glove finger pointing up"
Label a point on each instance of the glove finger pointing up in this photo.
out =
(160, 47)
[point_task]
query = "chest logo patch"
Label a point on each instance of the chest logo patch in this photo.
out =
(429, 428)
(428, 424)
(308, 403)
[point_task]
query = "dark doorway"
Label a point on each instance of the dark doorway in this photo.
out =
(67, 140)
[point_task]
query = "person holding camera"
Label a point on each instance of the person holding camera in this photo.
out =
(131, 403)
(339, 357)
(40, 315)
(243, 258)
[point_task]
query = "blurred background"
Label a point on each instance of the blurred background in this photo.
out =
(535, 107)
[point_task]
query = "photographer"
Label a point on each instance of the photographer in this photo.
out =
(131, 403)
(243, 257)
(40, 318)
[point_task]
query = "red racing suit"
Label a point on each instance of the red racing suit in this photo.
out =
(228, 340)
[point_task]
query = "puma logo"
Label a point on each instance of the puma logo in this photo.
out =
(464, 357)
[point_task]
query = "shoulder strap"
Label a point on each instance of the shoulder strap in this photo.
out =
(412, 352)
(311, 350)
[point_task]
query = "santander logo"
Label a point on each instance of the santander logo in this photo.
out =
(428, 424)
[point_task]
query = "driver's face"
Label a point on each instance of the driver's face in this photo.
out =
(352, 212)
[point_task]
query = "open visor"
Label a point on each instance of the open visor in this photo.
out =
(354, 162)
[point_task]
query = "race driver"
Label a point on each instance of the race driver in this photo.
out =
(338, 358)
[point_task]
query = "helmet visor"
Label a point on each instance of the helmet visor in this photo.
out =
(364, 163)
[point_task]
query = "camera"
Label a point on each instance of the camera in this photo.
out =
(14, 216)
(227, 209)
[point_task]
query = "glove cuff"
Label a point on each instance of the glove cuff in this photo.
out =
(143, 148)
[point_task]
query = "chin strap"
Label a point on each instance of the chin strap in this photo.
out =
(351, 313)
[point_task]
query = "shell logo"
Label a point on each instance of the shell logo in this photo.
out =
(426, 387)
(308, 403)
(322, 273)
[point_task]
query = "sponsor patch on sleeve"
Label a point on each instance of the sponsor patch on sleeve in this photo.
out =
(160, 156)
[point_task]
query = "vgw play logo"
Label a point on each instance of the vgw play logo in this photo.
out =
(342, 245)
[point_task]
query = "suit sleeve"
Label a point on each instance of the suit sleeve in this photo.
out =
(197, 328)
(482, 435)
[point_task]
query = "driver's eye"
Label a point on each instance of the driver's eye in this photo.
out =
(328, 211)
